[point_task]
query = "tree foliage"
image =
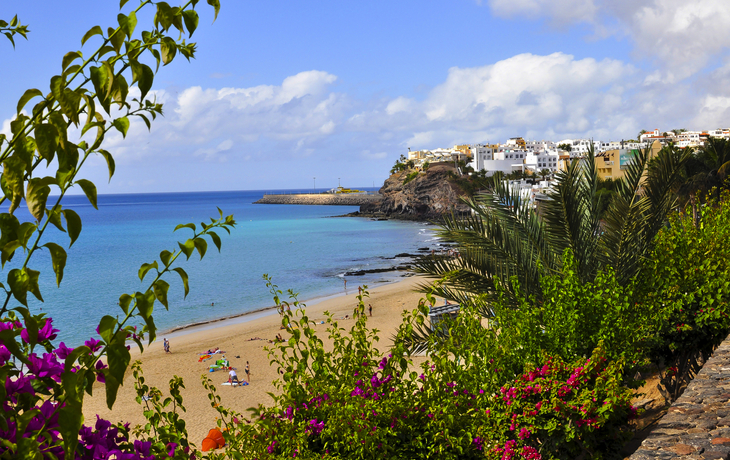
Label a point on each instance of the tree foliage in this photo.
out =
(42, 385)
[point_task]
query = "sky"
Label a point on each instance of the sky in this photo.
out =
(283, 92)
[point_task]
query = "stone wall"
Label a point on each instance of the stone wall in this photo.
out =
(697, 425)
(340, 199)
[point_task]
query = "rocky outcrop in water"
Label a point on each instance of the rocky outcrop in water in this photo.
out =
(428, 196)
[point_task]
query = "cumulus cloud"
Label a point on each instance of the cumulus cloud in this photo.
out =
(526, 93)
(683, 36)
(215, 123)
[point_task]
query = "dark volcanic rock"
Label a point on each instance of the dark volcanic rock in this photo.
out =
(429, 196)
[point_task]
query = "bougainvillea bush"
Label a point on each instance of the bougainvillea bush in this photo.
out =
(355, 401)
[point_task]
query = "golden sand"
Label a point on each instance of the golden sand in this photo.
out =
(388, 302)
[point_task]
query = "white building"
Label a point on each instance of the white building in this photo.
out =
(546, 159)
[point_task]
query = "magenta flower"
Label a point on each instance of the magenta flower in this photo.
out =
(93, 344)
(171, 449)
(4, 355)
(63, 351)
(44, 367)
(478, 443)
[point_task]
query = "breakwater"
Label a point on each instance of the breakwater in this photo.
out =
(329, 199)
(697, 425)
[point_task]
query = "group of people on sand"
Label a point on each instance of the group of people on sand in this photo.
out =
(233, 377)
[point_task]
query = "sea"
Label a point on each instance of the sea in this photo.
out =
(303, 248)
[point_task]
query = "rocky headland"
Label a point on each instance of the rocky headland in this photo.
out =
(428, 195)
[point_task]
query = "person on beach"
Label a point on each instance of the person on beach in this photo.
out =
(345, 280)
(370, 309)
(166, 345)
(233, 377)
(248, 372)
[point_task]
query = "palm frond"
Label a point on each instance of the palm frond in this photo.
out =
(571, 214)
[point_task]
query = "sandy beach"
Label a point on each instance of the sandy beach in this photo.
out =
(235, 338)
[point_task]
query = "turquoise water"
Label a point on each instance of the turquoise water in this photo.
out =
(302, 247)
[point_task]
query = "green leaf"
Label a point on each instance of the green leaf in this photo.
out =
(190, 226)
(27, 96)
(216, 239)
(161, 287)
(127, 23)
(184, 277)
(58, 259)
(111, 386)
(89, 190)
(33, 283)
(100, 80)
(25, 231)
(70, 419)
(69, 57)
(116, 38)
(37, 195)
(73, 224)
(8, 251)
(201, 245)
(12, 176)
(122, 125)
(165, 257)
(216, 4)
(118, 358)
(124, 301)
(120, 91)
(168, 50)
(46, 138)
(144, 78)
(109, 162)
(54, 217)
(106, 327)
(96, 30)
(164, 15)
(122, 3)
(146, 268)
(191, 20)
(187, 248)
(145, 306)
(146, 121)
(9, 225)
(18, 281)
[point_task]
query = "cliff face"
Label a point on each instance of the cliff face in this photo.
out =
(427, 197)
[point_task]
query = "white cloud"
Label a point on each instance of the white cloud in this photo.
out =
(524, 93)
(681, 35)
(214, 123)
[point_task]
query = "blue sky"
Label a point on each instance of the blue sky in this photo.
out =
(285, 91)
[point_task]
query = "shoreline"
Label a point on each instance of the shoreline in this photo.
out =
(263, 312)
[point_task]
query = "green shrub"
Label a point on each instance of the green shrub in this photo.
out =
(410, 177)
(688, 274)
(466, 402)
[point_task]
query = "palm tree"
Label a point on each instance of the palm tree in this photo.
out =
(544, 173)
(706, 170)
(505, 238)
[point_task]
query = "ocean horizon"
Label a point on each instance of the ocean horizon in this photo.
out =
(303, 248)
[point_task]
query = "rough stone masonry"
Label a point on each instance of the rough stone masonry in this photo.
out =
(697, 425)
